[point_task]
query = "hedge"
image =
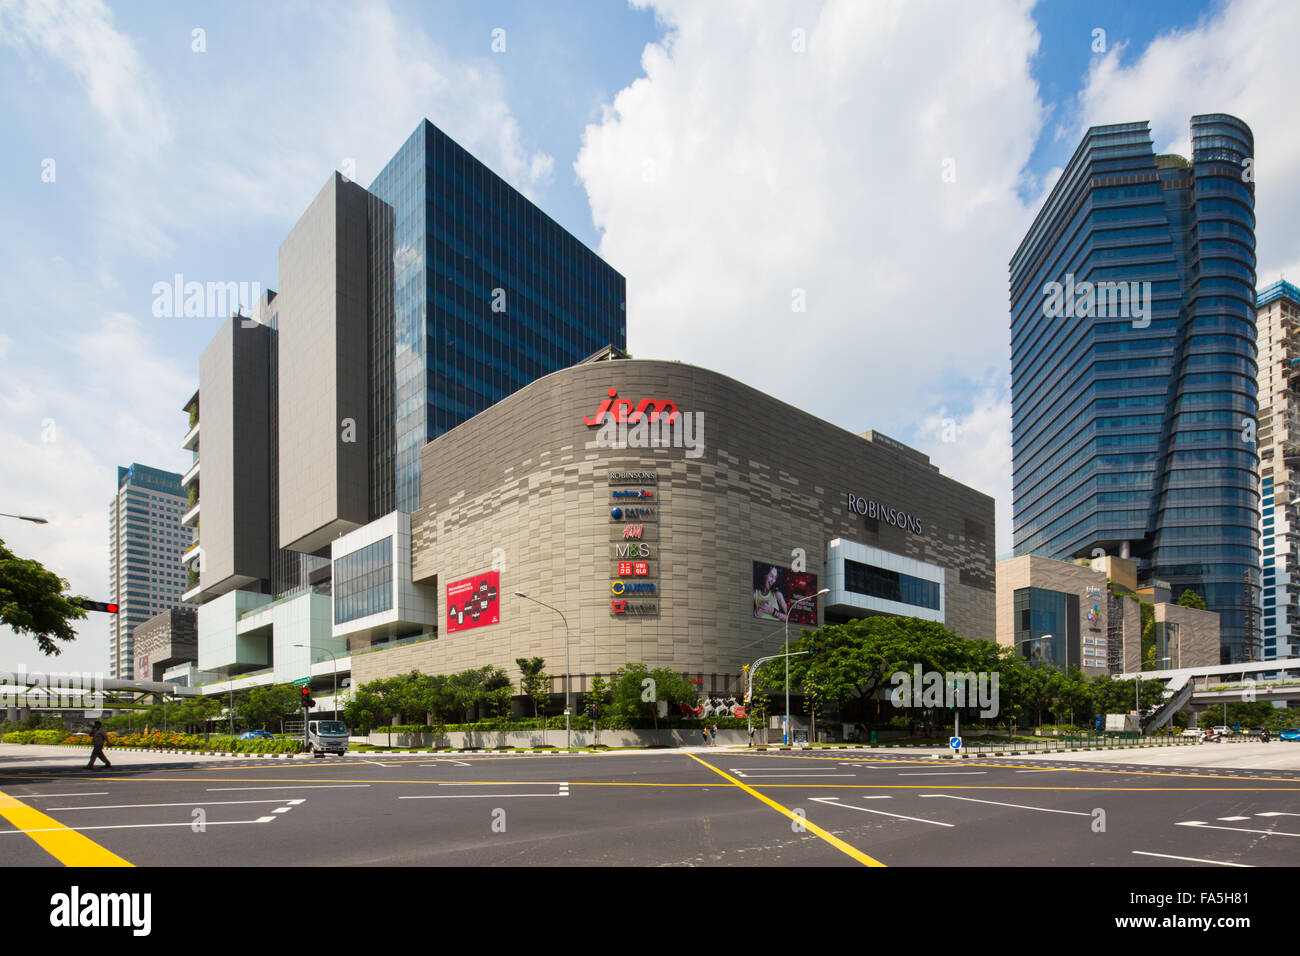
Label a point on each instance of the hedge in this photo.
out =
(35, 737)
(165, 740)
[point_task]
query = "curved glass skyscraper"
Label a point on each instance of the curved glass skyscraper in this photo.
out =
(1133, 367)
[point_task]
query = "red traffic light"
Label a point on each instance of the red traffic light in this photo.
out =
(112, 609)
(306, 691)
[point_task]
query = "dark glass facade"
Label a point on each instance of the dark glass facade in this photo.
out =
(1047, 627)
(488, 294)
(363, 582)
(1133, 402)
(890, 585)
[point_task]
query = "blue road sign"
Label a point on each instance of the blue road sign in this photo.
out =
(954, 743)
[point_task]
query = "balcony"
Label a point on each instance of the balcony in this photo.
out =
(191, 442)
(191, 517)
(191, 554)
(190, 476)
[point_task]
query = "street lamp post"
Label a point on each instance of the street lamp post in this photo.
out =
(787, 738)
(33, 520)
(568, 731)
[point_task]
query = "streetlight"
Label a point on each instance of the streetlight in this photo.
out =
(568, 734)
(786, 737)
(24, 518)
(336, 674)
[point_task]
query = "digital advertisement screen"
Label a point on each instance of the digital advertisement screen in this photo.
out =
(474, 602)
(776, 589)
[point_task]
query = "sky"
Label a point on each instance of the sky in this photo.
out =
(876, 162)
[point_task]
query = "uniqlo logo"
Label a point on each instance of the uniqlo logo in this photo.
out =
(624, 567)
(640, 568)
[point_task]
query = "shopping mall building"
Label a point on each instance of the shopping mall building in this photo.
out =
(667, 515)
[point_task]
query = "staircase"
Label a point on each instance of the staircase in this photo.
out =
(1180, 690)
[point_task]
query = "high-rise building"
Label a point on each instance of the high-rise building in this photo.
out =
(401, 311)
(1133, 367)
(146, 543)
(1277, 324)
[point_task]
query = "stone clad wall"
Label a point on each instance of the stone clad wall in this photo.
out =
(524, 484)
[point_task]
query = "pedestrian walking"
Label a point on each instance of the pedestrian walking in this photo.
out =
(704, 732)
(751, 736)
(98, 738)
(713, 735)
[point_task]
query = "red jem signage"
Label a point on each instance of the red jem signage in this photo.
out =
(622, 410)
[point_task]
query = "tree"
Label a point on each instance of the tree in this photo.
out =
(32, 602)
(815, 697)
(595, 697)
(636, 692)
(535, 683)
(270, 705)
(1190, 598)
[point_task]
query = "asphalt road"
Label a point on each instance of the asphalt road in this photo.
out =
(701, 808)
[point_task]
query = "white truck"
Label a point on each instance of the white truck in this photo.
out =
(327, 737)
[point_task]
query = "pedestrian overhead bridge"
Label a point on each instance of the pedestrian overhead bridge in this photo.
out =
(1197, 688)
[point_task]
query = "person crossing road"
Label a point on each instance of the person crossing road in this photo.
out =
(98, 739)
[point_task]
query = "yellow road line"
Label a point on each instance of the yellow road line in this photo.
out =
(63, 843)
(1021, 766)
(807, 824)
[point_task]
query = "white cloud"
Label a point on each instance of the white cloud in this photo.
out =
(1240, 61)
(71, 416)
(738, 175)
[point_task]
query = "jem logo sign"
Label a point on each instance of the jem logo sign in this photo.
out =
(651, 423)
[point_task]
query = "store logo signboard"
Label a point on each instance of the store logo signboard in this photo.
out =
(622, 607)
(633, 478)
(639, 588)
(630, 569)
(883, 512)
(474, 602)
(638, 513)
(621, 410)
(632, 549)
(633, 493)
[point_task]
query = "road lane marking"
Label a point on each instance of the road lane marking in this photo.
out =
(63, 843)
(1276, 813)
(477, 796)
(94, 793)
(312, 786)
(1192, 859)
(1018, 806)
(1232, 819)
(1053, 770)
(943, 773)
(834, 802)
(186, 803)
(797, 776)
(807, 824)
(134, 826)
(1206, 826)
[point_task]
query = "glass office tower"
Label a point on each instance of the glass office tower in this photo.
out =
(1133, 367)
(489, 293)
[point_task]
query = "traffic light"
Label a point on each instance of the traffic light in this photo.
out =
(90, 605)
(307, 702)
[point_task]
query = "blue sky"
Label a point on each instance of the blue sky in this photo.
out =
(723, 156)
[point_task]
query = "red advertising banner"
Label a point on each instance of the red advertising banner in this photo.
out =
(474, 602)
